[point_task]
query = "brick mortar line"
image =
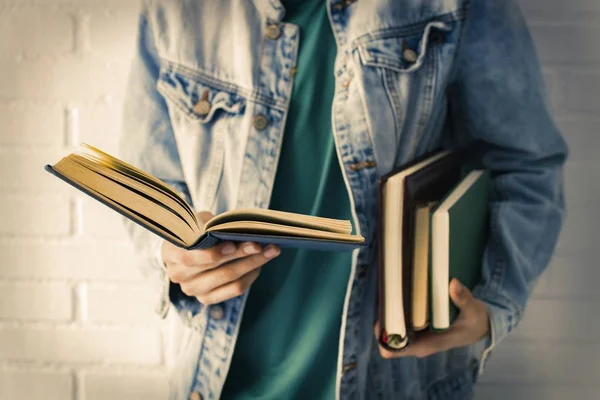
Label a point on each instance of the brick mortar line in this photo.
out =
(74, 326)
(83, 367)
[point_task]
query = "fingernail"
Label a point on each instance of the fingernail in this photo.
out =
(271, 251)
(251, 248)
(227, 249)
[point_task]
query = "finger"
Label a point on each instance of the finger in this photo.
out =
(179, 272)
(428, 343)
(214, 256)
(461, 296)
(230, 290)
(170, 252)
(208, 281)
(204, 217)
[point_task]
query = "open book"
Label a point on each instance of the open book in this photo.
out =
(151, 203)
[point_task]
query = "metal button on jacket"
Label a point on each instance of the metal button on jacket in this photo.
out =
(260, 122)
(195, 396)
(202, 107)
(217, 312)
(273, 31)
(410, 55)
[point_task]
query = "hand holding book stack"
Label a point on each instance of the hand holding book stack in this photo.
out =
(433, 227)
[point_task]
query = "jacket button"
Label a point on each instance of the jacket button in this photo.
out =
(195, 396)
(216, 312)
(273, 31)
(202, 107)
(260, 122)
(409, 55)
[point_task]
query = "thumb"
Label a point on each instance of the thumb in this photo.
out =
(460, 295)
(204, 217)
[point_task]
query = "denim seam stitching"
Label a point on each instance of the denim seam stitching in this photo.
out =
(409, 29)
(428, 89)
(202, 77)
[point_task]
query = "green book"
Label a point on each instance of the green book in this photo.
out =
(458, 235)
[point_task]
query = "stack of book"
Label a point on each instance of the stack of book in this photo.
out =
(433, 224)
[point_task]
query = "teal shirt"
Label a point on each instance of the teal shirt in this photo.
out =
(289, 336)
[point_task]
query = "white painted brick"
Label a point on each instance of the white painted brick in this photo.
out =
(39, 31)
(554, 88)
(581, 229)
(22, 215)
(101, 125)
(570, 44)
(18, 385)
(110, 6)
(113, 34)
(558, 7)
(131, 387)
(583, 90)
(62, 79)
(85, 5)
(31, 124)
(539, 391)
(543, 361)
(25, 169)
(101, 221)
(40, 302)
(571, 277)
(127, 346)
(100, 260)
(123, 304)
(582, 138)
(560, 319)
(582, 185)
(559, 11)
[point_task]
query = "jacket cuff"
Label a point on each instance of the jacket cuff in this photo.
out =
(162, 306)
(504, 315)
(171, 293)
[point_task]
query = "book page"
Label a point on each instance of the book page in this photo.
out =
(283, 230)
(100, 157)
(281, 218)
(158, 196)
(420, 292)
(127, 199)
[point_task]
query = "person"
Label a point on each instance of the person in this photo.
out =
(301, 106)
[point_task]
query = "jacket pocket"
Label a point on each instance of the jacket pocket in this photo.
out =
(206, 115)
(404, 53)
(399, 70)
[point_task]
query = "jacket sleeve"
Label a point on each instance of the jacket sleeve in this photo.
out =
(148, 142)
(497, 100)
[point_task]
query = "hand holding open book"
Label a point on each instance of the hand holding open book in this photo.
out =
(153, 204)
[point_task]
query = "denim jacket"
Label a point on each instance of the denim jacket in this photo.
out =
(205, 112)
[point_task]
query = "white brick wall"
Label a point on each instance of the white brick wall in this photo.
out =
(34, 384)
(76, 316)
(76, 319)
